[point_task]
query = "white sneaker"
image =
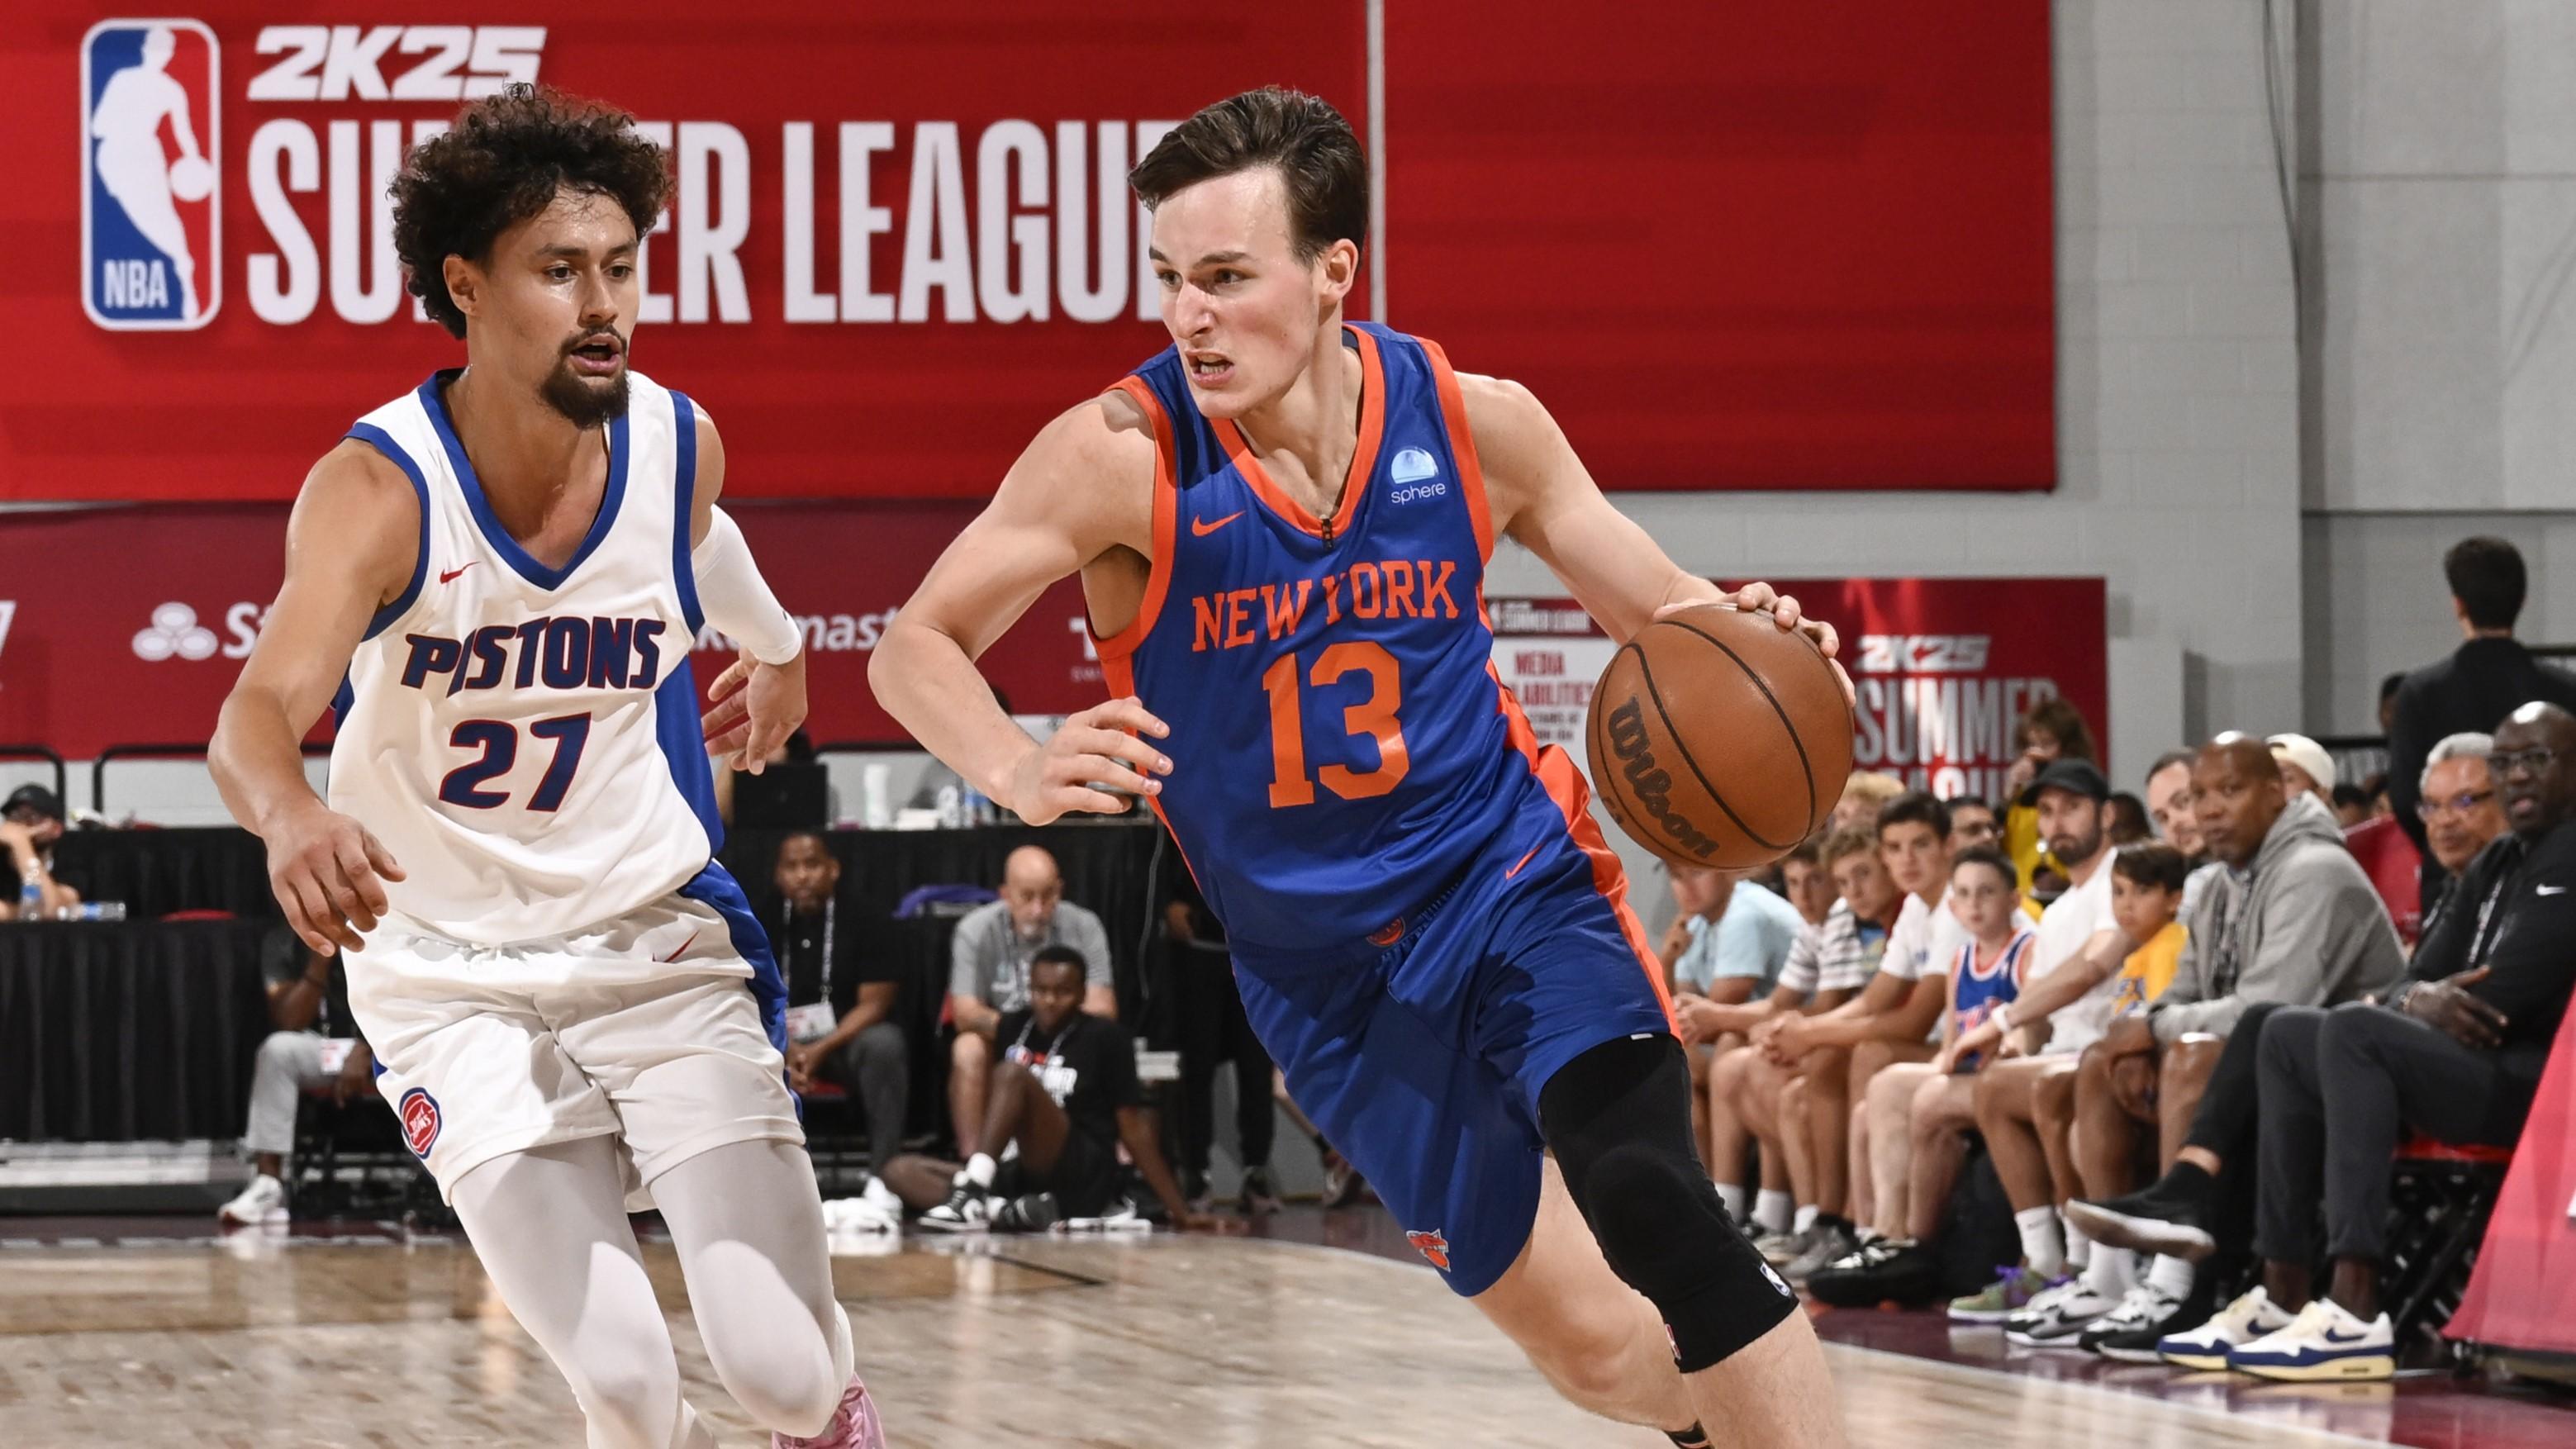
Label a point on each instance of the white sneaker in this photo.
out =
(2055, 1317)
(861, 1215)
(264, 1201)
(881, 1196)
(2241, 1322)
(2323, 1343)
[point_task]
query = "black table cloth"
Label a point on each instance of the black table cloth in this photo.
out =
(121, 1033)
(148, 1030)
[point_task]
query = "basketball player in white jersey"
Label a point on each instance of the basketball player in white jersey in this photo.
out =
(573, 1011)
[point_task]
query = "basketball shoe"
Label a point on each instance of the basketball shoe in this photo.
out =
(854, 1425)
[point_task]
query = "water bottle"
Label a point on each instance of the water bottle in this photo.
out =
(92, 911)
(951, 804)
(31, 900)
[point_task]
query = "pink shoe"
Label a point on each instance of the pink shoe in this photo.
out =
(854, 1425)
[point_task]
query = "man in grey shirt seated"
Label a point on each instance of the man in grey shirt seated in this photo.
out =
(988, 974)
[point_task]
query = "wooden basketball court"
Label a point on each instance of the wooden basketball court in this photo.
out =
(1169, 1343)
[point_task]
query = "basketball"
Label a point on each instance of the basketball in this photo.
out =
(1718, 738)
(191, 179)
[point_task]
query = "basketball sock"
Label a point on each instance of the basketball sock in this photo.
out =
(1805, 1221)
(2172, 1276)
(2113, 1271)
(979, 1170)
(1732, 1194)
(2079, 1249)
(2042, 1247)
(1771, 1211)
(1693, 1437)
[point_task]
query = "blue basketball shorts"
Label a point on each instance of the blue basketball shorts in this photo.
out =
(1423, 1064)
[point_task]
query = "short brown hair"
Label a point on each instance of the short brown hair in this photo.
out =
(1852, 840)
(2151, 863)
(501, 163)
(1318, 159)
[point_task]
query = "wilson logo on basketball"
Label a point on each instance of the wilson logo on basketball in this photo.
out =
(420, 1122)
(1432, 1246)
(1650, 786)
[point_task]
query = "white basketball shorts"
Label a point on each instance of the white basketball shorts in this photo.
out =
(647, 1029)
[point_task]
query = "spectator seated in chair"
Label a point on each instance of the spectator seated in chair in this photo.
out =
(315, 1046)
(1812, 1066)
(1065, 1095)
(841, 992)
(989, 961)
(30, 823)
(1722, 956)
(1913, 1180)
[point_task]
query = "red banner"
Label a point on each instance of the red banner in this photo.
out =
(1943, 667)
(129, 625)
(1737, 247)
(899, 245)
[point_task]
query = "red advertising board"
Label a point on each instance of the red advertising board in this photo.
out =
(1942, 667)
(128, 625)
(1739, 246)
(901, 241)
(1735, 247)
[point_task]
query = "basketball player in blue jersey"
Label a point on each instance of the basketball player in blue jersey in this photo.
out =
(1282, 524)
(500, 575)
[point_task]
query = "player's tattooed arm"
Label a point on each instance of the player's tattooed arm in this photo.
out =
(1080, 499)
(352, 545)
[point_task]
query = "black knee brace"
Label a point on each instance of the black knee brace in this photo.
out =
(1618, 1119)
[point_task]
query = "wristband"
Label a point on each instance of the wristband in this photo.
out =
(737, 600)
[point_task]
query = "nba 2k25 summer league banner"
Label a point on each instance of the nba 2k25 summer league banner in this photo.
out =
(1746, 246)
(128, 625)
(1943, 667)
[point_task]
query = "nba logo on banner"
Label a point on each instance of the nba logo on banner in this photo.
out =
(420, 1121)
(151, 197)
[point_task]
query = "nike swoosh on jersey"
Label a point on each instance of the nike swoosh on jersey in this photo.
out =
(445, 575)
(1524, 860)
(1201, 528)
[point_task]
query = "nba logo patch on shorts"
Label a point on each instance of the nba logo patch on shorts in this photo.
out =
(151, 177)
(420, 1122)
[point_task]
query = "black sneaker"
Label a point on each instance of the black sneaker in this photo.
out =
(2130, 1332)
(1887, 1271)
(2163, 1217)
(1259, 1196)
(1028, 1213)
(969, 1209)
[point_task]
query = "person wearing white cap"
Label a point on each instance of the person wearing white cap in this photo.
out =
(2305, 766)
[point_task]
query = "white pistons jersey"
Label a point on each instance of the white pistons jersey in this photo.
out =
(525, 739)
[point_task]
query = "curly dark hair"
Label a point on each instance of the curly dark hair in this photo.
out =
(501, 163)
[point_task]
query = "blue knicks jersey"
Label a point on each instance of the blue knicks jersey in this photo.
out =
(1341, 747)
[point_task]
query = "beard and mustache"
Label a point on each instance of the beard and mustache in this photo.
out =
(583, 401)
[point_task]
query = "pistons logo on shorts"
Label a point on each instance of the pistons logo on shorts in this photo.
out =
(1433, 1246)
(420, 1122)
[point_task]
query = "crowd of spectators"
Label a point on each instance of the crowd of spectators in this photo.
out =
(2249, 983)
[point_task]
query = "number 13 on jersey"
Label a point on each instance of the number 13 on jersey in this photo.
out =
(1373, 716)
